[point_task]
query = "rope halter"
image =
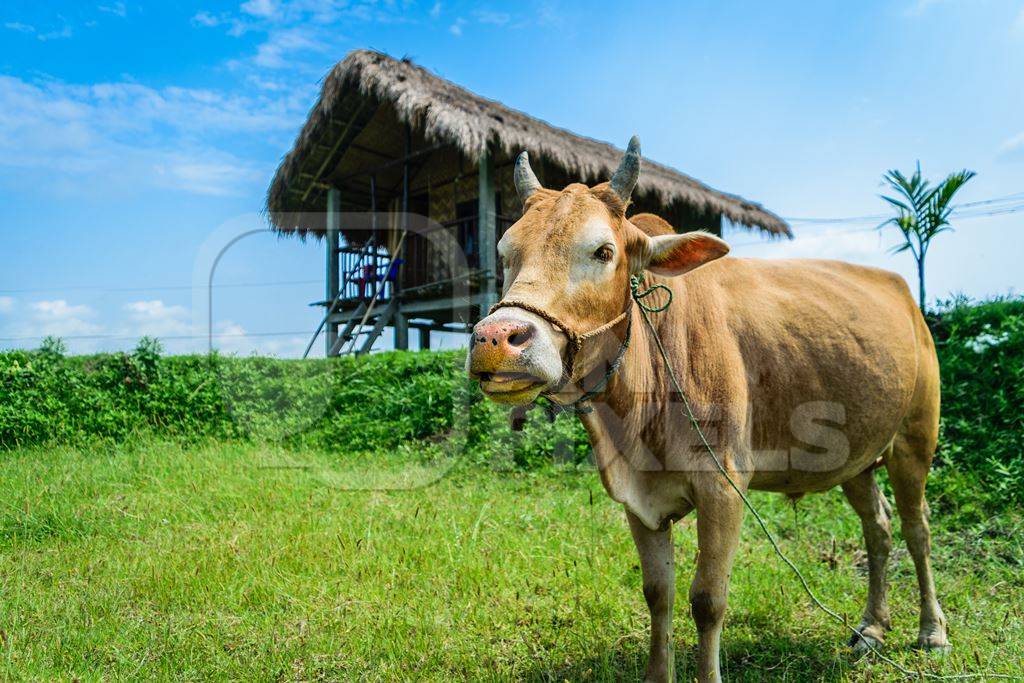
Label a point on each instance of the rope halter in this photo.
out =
(577, 339)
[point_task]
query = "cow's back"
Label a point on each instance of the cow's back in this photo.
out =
(811, 342)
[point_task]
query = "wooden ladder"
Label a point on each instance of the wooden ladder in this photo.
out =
(372, 332)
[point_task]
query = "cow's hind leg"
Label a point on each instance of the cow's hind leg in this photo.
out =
(871, 506)
(657, 563)
(908, 466)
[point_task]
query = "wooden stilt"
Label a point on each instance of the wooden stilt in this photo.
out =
(333, 279)
(401, 323)
(487, 225)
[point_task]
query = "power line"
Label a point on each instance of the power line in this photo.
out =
(1000, 211)
(171, 337)
(958, 213)
(160, 288)
(1014, 196)
(838, 221)
(1011, 203)
(1015, 203)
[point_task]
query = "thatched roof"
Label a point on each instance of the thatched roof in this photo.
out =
(442, 112)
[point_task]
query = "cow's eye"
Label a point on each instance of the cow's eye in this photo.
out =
(603, 254)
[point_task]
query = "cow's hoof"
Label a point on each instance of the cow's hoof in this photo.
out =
(863, 643)
(934, 643)
(868, 638)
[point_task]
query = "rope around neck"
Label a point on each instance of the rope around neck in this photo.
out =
(646, 309)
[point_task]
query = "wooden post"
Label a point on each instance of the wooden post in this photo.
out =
(333, 272)
(424, 339)
(487, 227)
(401, 322)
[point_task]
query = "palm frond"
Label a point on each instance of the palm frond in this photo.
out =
(922, 211)
(897, 203)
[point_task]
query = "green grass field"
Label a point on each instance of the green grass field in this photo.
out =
(236, 562)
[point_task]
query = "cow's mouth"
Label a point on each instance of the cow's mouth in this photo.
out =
(510, 387)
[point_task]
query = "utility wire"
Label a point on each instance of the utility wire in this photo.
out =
(1016, 199)
(968, 215)
(169, 337)
(161, 288)
(999, 206)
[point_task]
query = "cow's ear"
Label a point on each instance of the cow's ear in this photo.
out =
(677, 254)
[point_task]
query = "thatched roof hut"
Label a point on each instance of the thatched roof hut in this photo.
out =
(389, 143)
(374, 108)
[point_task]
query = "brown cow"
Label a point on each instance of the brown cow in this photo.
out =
(804, 373)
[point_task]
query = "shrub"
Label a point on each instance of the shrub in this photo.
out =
(376, 403)
(53, 347)
(981, 352)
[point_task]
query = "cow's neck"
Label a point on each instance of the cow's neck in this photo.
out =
(642, 376)
(627, 428)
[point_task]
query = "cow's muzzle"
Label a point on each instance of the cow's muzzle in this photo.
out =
(514, 355)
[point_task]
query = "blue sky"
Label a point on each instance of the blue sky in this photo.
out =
(134, 137)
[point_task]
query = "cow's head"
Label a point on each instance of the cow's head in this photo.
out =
(569, 258)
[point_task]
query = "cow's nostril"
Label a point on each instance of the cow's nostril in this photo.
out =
(521, 336)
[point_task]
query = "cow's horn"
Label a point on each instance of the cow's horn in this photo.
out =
(628, 172)
(526, 180)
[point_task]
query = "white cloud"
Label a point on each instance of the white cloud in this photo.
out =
(857, 245)
(156, 319)
(115, 8)
(59, 318)
(231, 337)
(60, 309)
(238, 28)
(285, 347)
(124, 134)
(204, 18)
(206, 175)
(302, 36)
(63, 32)
(274, 53)
(1013, 147)
(57, 34)
(20, 27)
(87, 331)
(435, 11)
(266, 83)
(456, 28)
(260, 8)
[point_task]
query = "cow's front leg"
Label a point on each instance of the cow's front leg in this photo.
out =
(719, 516)
(659, 574)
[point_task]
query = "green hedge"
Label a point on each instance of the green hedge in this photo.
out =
(345, 405)
(981, 448)
(379, 402)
